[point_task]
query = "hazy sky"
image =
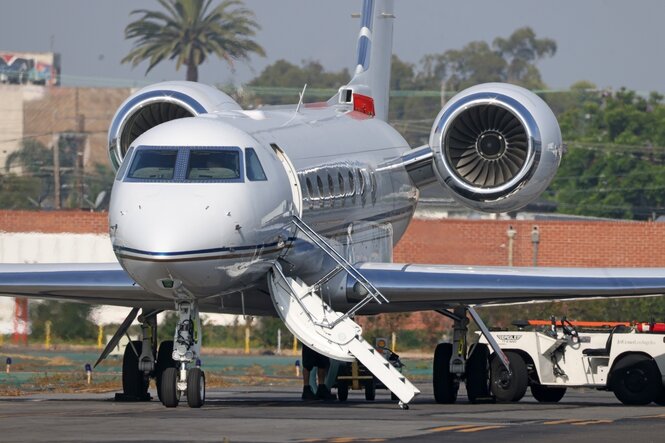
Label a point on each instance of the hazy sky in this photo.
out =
(612, 43)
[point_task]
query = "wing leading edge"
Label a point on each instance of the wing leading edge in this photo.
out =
(435, 286)
(104, 283)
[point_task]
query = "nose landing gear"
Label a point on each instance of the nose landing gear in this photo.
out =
(182, 379)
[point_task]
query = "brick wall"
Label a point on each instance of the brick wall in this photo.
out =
(452, 241)
(78, 222)
(562, 243)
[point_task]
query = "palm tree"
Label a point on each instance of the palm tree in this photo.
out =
(189, 31)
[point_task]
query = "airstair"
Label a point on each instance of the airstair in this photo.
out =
(329, 332)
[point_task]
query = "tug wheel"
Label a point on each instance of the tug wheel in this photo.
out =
(547, 394)
(509, 386)
(635, 380)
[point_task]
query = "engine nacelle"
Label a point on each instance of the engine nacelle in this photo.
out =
(496, 147)
(157, 104)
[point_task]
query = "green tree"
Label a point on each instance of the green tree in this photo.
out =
(31, 158)
(283, 74)
(33, 185)
(521, 51)
(615, 165)
(266, 333)
(190, 31)
(69, 321)
(511, 60)
(20, 192)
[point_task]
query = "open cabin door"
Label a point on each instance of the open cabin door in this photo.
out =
(293, 178)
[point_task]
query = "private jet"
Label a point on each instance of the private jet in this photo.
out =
(293, 211)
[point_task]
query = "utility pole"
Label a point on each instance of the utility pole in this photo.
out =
(443, 93)
(56, 163)
(80, 146)
(535, 240)
(511, 233)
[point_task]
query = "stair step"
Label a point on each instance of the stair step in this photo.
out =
(303, 316)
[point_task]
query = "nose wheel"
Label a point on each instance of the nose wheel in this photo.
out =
(196, 388)
(182, 378)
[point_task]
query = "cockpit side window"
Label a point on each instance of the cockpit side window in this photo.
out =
(125, 164)
(213, 165)
(255, 171)
(153, 164)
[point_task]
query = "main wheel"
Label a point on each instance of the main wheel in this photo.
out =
(635, 380)
(508, 387)
(196, 388)
(169, 388)
(370, 390)
(164, 360)
(547, 394)
(134, 383)
(342, 390)
(444, 383)
(478, 373)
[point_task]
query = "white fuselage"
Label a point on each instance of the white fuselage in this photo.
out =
(183, 238)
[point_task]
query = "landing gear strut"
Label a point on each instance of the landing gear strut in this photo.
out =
(455, 362)
(179, 378)
(138, 362)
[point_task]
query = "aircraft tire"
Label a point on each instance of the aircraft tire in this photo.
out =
(443, 382)
(164, 360)
(547, 394)
(509, 388)
(478, 373)
(134, 384)
(196, 387)
(635, 380)
(170, 395)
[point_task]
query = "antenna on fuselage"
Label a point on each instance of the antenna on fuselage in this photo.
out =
(302, 94)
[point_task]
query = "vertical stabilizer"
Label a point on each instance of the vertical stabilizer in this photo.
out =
(375, 46)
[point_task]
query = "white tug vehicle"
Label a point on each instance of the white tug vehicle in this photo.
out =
(626, 359)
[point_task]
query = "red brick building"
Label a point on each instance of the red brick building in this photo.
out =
(454, 241)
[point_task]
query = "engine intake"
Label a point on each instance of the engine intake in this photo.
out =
(157, 104)
(496, 147)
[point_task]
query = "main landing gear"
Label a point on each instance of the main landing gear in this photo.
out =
(171, 365)
(138, 362)
(455, 362)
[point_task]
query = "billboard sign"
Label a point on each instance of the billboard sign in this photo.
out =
(39, 68)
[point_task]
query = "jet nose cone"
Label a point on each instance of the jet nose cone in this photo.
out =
(169, 219)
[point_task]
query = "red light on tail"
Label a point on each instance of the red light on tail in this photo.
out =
(364, 104)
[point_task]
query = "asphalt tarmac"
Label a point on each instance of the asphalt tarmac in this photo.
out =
(276, 414)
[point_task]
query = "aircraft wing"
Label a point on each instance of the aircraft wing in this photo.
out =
(104, 283)
(436, 286)
(406, 286)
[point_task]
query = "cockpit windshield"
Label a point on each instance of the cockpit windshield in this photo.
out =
(153, 164)
(213, 165)
(188, 164)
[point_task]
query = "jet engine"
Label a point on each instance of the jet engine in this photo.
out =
(157, 104)
(496, 147)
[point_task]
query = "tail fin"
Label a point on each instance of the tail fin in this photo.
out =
(375, 46)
